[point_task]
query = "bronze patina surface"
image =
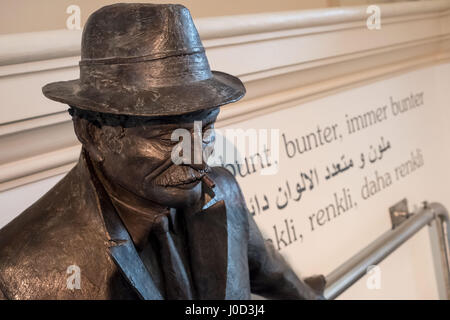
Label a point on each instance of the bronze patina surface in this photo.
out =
(135, 224)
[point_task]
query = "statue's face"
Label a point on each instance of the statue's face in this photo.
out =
(139, 159)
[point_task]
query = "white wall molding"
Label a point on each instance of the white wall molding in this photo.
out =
(26, 47)
(283, 58)
(260, 23)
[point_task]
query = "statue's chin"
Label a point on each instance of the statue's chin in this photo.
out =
(175, 196)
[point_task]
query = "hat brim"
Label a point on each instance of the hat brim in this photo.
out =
(219, 90)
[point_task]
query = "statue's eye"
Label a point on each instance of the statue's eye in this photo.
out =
(208, 127)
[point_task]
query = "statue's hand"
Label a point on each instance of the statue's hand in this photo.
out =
(317, 283)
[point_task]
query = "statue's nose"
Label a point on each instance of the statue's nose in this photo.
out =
(198, 150)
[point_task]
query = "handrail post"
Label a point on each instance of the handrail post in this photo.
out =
(443, 238)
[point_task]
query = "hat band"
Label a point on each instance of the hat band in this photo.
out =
(150, 57)
(170, 71)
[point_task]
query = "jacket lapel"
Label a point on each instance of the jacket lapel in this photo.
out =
(208, 245)
(121, 247)
(124, 254)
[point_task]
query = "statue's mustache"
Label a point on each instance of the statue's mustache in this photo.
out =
(177, 175)
(170, 174)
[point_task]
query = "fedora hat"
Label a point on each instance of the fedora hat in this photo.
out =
(144, 60)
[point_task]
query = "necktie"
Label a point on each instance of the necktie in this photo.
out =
(177, 283)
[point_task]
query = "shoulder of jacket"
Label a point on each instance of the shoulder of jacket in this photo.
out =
(57, 231)
(225, 182)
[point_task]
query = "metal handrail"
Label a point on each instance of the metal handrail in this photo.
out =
(356, 267)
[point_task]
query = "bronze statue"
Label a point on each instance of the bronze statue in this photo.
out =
(134, 223)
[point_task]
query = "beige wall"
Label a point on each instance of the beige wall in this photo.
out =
(37, 15)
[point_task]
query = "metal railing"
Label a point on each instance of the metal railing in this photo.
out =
(356, 267)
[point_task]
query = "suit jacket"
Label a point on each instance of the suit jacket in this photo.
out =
(75, 224)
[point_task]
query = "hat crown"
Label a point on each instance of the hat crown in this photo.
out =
(144, 60)
(139, 30)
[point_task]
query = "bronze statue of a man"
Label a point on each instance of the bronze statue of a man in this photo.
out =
(128, 220)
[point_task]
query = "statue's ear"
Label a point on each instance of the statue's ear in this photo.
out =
(85, 136)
